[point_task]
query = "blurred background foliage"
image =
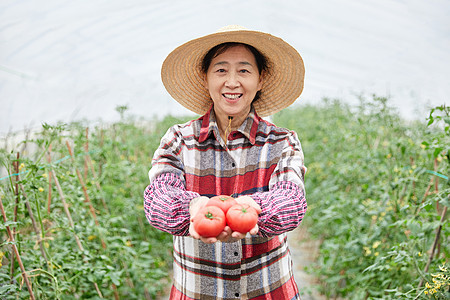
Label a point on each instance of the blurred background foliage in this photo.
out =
(377, 191)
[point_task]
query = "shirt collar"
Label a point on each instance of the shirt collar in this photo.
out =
(248, 128)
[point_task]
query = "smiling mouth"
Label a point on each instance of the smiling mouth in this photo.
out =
(232, 96)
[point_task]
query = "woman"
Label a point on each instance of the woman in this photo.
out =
(232, 78)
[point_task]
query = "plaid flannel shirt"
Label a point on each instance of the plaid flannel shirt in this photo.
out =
(260, 160)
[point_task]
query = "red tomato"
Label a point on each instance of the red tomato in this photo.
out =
(242, 218)
(222, 201)
(209, 221)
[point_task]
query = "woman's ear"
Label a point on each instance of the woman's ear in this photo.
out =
(261, 80)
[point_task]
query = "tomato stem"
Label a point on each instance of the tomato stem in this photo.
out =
(209, 215)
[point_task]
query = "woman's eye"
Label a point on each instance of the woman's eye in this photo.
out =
(244, 71)
(220, 70)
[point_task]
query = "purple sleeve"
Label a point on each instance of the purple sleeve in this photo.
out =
(283, 208)
(166, 204)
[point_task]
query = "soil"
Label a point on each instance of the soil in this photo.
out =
(304, 252)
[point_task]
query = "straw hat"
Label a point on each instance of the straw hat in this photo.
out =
(182, 76)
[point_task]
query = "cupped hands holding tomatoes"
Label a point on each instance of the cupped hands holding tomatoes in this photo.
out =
(223, 217)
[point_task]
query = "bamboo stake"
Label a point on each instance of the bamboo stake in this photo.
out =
(425, 195)
(436, 182)
(102, 141)
(147, 294)
(16, 252)
(86, 149)
(69, 217)
(98, 290)
(89, 166)
(63, 200)
(436, 240)
(66, 210)
(116, 294)
(87, 200)
(83, 186)
(16, 169)
(430, 184)
(25, 144)
(16, 193)
(88, 160)
(49, 199)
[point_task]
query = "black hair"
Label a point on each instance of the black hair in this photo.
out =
(261, 60)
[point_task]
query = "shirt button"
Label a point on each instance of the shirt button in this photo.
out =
(236, 254)
(233, 165)
(236, 294)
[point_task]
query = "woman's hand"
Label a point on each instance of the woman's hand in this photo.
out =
(225, 236)
(249, 201)
(195, 205)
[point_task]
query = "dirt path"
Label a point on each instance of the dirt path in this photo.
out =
(303, 251)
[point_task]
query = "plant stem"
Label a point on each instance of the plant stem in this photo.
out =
(88, 160)
(16, 194)
(86, 150)
(66, 210)
(49, 200)
(436, 183)
(86, 195)
(116, 294)
(83, 186)
(16, 252)
(425, 195)
(436, 240)
(69, 217)
(52, 276)
(33, 220)
(40, 157)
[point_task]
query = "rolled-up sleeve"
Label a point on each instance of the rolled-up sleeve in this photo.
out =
(167, 158)
(166, 200)
(166, 204)
(282, 208)
(284, 205)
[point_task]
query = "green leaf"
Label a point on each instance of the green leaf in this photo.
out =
(8, 223)
(7, 288)
(437, 151)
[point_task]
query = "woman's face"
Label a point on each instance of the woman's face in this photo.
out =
(232, 80)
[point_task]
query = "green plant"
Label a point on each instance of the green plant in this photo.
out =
(375, 196)
(83, 236)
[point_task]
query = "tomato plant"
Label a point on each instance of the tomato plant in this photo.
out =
(377, 189)
(118, 247)
(222, 201)
(209, 221)
(242, 218)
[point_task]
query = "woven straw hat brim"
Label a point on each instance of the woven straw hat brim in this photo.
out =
(182, 76)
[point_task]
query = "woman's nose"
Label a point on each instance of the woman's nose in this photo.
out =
(232, 80)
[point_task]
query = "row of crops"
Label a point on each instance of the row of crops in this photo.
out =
(378, 193)
(73, 225)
